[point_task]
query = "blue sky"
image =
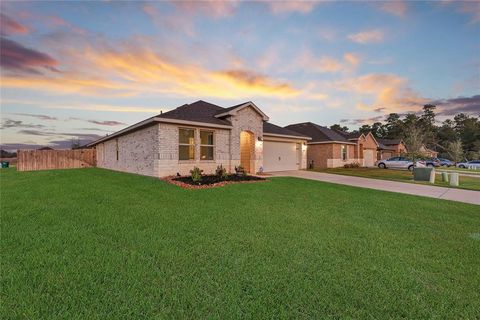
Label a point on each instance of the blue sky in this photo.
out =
(84, 69)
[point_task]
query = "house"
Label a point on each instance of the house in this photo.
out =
(204, 135)
(426, 152)
(388, 148)
(366, 149)
(328, 148)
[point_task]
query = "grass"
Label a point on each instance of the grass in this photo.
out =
(460, 170)
(469, 183)
(96, 244)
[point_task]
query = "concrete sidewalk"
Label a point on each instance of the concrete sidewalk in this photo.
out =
(460, 195)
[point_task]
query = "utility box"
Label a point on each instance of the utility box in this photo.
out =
(424, 174)
(445, 176)
(454, 179)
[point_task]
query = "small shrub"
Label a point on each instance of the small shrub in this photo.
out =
(240, 170)
(352, 165)
(196, 174)
(221, 172)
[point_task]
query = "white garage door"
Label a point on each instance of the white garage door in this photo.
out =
(279, 156)
(368, 157)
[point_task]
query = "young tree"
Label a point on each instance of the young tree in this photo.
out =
(414, 138)
(455, 150)
(468, 129)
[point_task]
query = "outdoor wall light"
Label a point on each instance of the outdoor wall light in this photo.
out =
(260, 139)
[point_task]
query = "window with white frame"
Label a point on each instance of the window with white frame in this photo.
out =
(186, 144)
(206, 145)
(344, 152)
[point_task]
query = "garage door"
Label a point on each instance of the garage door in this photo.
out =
(279, 156)
(368, 157)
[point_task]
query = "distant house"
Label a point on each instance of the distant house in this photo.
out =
(388, 148)
(204, 135)
(45, 148)
(429, 153)
(329, 148)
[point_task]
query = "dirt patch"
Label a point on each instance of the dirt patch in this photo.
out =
(211, 181)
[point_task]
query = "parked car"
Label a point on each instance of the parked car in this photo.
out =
(469, 164)
(445, 162)
(400, 163)
(432, 162)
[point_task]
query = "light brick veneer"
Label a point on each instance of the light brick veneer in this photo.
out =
(153, 150)
(136, 152)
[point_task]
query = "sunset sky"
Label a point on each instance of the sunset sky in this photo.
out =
(85, 69)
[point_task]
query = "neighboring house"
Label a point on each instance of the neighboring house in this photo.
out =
(328, 148)
(366, 147)
(204, 135)
(388, 148)
(45, 148)
(429, 153)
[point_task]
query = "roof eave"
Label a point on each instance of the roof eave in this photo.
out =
(234, 111)
(333, 141)
(286, 136)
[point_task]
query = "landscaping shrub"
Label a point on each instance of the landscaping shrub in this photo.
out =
(196, 174)
(240, 170)
(352, 165)
(221, 172)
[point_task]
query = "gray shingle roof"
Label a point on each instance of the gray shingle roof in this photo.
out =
(199, 111)
(274, 129)
(389, 142)
(317, 133)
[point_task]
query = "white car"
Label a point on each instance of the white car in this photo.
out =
(474, 164)
(399, 163)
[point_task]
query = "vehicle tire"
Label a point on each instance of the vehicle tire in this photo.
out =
(462, 166)
(410, 167)
(382, 165)
(430, 165)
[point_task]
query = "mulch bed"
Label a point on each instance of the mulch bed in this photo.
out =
(211, 181)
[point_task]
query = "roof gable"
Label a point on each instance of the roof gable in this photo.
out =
(233, 110)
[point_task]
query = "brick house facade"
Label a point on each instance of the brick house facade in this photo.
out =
(157, 146)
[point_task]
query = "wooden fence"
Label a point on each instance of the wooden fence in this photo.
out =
(29, 160)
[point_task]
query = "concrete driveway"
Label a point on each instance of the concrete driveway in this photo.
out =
(460, 195)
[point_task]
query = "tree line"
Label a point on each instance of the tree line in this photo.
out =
(457, 139)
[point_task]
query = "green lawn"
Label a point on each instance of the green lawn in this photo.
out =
(96, 244)
(460, 170)
(469, 183)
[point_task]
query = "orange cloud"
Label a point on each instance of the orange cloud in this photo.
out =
(370, 36)
(133, 72)
(388, 91)
(10, 26)
(326, 64)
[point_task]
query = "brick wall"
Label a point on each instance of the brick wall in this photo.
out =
(168, 162)
(329, 155)
(136, 152)
(247, 119)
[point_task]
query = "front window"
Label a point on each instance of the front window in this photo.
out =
(344, 152)
(206, 145)
(186, 144)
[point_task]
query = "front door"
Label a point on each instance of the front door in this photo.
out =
(246, 150)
